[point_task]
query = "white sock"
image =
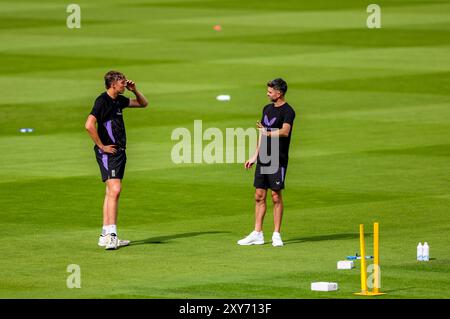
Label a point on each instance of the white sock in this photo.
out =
(276, 233)
(109, 229)
(113, 229)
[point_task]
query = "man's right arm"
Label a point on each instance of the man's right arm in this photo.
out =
(92, 131)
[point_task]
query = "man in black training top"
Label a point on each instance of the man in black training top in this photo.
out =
(110, 143)
(276, 123)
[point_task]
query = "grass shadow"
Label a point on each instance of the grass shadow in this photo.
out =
(165, 239)
(324, 238)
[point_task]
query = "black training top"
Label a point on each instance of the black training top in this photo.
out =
(108, 112)
(273, 118)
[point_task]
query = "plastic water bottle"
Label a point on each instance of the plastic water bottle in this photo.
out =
(420, 252)
(426, 252)
(26, 130)
(356, 257)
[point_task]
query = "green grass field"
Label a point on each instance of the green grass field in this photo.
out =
(370, 143)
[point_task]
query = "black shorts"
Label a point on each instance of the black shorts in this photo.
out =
(273, 181)
(111, 165)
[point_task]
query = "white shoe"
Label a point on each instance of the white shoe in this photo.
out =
(276, 240)
(254, 238)
(103, 241)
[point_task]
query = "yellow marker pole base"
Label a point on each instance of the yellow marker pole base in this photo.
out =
(369, 293)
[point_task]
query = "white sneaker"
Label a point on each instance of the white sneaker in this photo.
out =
(103, 241)
(254, 238)
(276, 240)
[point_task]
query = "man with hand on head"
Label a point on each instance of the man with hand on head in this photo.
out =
(106, 127)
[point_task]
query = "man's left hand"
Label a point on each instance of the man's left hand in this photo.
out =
(131, 85)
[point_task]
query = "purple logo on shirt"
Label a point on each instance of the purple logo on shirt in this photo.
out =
(267, 122)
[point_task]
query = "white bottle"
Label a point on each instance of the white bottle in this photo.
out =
(426, 252)
(420, 252)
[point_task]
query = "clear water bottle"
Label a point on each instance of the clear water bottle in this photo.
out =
(420, 252)
(426, 252)
(26, 130)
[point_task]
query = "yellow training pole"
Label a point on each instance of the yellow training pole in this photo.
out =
(362, 249)
(376, 260)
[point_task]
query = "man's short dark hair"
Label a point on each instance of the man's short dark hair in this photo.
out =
(278, 84)
(113, 76)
